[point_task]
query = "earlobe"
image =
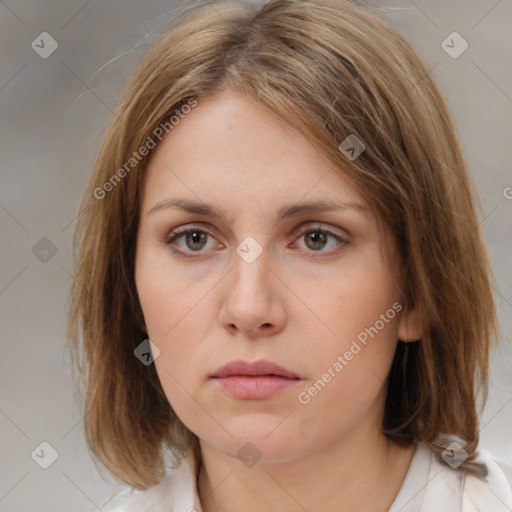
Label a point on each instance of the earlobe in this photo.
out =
(409, 326)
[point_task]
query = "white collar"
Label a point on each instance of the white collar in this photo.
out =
(429, 486)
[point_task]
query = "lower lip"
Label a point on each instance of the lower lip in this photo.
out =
(256, 387)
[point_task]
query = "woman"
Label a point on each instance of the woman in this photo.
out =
(281, 285)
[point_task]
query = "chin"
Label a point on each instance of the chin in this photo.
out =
(253, 444)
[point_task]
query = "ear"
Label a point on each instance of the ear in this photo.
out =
(409, 326)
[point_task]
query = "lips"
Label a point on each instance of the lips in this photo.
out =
(260, 380)
(257, 368)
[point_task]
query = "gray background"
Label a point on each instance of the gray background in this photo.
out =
(53, 114)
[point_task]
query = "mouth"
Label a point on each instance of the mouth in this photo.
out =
(254, 381)
(262, 368)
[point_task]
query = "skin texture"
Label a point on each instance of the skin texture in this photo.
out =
(293, 305)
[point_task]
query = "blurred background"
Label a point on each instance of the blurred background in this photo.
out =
(63, 66)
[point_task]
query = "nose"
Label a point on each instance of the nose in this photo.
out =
(253, 300)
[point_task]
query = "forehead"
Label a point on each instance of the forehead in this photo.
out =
(233, 152)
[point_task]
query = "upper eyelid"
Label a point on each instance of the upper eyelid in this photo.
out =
(319, 226)
(304, 226)
(299, 231)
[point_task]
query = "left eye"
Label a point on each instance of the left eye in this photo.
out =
(317, 239)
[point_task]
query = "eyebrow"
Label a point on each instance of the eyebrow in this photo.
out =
(290, 210)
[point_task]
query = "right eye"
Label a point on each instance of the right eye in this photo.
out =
(194, 239)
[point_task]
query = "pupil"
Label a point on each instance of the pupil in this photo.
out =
(318, 239)
(195, 238)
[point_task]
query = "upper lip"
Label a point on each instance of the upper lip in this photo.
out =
(262, 367)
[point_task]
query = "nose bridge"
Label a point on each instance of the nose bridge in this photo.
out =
(251, 272)
(251, 300)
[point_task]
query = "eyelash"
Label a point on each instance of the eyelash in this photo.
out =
(171, 238)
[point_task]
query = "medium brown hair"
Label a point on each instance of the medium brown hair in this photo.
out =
(331, 69)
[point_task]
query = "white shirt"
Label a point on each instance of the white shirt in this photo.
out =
(429, 486)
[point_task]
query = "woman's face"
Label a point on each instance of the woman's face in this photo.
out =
(267, 279)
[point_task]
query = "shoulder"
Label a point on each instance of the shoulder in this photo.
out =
(129, 500)
(458, 490)
(176, 491)
(132, 500)
(493, 492)
(432, 485)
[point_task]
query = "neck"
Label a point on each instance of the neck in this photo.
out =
(362, 471)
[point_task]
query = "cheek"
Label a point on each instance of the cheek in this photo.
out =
(358, 301)
(170, 304)
(361, 311)
(165, 295)
(348, 389)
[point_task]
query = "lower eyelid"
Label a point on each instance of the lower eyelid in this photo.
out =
(171, 238)
(341, 241)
